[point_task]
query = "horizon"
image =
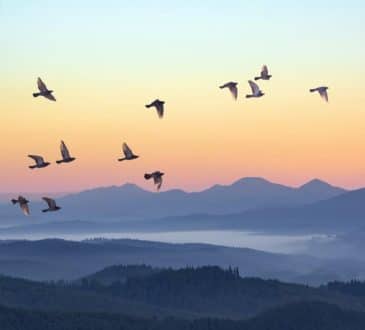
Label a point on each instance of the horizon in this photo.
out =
(102, 84)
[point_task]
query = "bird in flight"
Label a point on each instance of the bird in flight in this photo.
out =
(264, 75)
(322, 92)
(66, 158)
(39, 162)
(157, 178)
(159, 105)
(128, 153)
(23, 203)
(44, 91)
(256, 91)
(232, 86)
(51, 205)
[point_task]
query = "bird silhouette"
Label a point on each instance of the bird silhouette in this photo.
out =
(66, 158)
(157, 178)
(44, 91)
(322, 92)
(128, 153)
(264, 75)
(23, 203)
(51, 205)
(232, 86)
(256, 92)
(39, 162)
(159, 105)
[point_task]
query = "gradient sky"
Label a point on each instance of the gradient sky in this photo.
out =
(106, 59)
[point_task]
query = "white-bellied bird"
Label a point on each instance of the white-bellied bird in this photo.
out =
(23, 203)
(44, 91)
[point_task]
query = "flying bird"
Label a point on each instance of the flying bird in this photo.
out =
(66, 158)
(322, 92)
(232, 86)
(157, 178)
(256, 92)
(128, 153)
(44, 91)
(23, 203)
(264, 75)
(39, 162)
(51, 205)
(159, 105)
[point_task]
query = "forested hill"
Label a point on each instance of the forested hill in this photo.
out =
(299, 316)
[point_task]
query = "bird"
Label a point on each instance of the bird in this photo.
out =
(44, 91)
(23, 203)
(51, 205)
(128, 153)
(157, 178)
(66, 158)
(39, 162)
(159, 105)
(256, 92)
(264, 75)
(322, 92)
(232, 86)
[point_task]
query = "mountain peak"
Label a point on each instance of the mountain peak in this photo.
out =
(318, 184)
(252, 180)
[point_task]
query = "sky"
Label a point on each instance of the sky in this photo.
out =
(106, 59)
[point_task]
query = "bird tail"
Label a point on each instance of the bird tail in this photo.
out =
(258, 78)
(121, 159)
(46, 210)
(36, 94)
(148, 105)
(249, 96)
(147, 176)
(32, 166)
(221, 87)
(14, 201)
(59, 161)
(312, 90)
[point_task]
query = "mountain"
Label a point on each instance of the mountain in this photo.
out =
(131, 202)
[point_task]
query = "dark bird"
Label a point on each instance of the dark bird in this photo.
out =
(322, 92)
(39, 162)
(232, 86)
(66, 158)
(159, 105)
(51, 205)
(157, 178)
(44, 91)
(23, 203)
(128, 153)
(256, 92)
(264, 75)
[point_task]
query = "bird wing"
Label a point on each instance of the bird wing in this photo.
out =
(41, 85)
(160, 109)
(51, 202)
(234, 91)
(38, 159)
(50, 97)
(254, 87)
(127, 151)
(25, 208)
(157, 179)
(64, 151)
(324, 94)
(264, 71)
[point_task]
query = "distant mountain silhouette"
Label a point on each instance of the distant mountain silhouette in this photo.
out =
(130, 201)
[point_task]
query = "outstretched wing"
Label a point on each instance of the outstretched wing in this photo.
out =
(157, 179)
(51, 202)
(50, 97)
(64, 151)
(234, 91)
(41, 85)
(25, 208)
(127, 151)
(254, 87)
(160, 109)
(38, 159)
(264, 71)
(324, 94)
